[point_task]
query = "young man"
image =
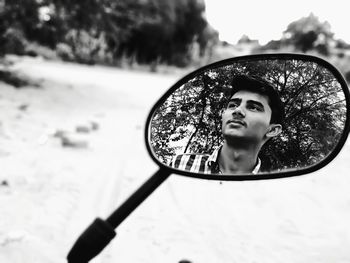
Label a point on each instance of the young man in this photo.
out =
(254, 114)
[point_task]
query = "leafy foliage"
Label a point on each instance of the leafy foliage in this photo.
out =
(190, 119)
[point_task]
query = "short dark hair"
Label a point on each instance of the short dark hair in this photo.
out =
(262, 87)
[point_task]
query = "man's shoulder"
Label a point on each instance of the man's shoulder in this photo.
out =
(191, 154)
(187, 160)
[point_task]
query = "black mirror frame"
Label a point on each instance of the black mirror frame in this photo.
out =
(260, 176)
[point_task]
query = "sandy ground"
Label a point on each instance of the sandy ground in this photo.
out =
(49, 193)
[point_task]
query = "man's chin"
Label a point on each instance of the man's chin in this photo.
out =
(234, 134)
(239, 135)
(235, 130)
(240, 140)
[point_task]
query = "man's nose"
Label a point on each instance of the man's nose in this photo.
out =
(239, 111)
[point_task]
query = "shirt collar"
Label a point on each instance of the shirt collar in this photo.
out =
(214, 162)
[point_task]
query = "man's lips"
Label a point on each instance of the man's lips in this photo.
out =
(239, 122)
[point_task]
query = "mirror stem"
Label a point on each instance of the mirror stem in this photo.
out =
(97, 236)
(137, 198)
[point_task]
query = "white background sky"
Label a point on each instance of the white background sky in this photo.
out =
(265, 20)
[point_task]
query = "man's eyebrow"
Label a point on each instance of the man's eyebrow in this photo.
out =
(235, 100)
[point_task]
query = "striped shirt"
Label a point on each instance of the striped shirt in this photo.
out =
(202, 163)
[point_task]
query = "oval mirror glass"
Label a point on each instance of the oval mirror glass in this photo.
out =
(249, 116)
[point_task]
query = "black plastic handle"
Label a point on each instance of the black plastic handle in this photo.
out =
(91, 242)
(97, 236)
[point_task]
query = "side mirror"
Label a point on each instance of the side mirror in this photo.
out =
(212, 124)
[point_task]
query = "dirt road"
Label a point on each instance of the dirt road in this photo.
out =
(51, 191)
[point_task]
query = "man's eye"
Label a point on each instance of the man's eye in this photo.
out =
(232, 105)
(254, 108)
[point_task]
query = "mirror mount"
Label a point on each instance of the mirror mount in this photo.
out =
(98, 235)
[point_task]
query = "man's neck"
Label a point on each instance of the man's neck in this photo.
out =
(235, 159)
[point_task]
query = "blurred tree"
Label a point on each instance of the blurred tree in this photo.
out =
(273, 44)
(309, 33)
(246, 40)
(342, 44)
(147, 30)
(17, 20)
(207, 40)
(167, 32)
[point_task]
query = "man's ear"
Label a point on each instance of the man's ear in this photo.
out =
(274, 130)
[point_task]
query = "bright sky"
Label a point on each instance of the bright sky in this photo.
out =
(265, 20)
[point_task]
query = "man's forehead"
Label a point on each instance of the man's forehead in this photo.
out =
(250, 95)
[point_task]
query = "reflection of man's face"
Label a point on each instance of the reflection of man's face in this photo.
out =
(247, 116)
